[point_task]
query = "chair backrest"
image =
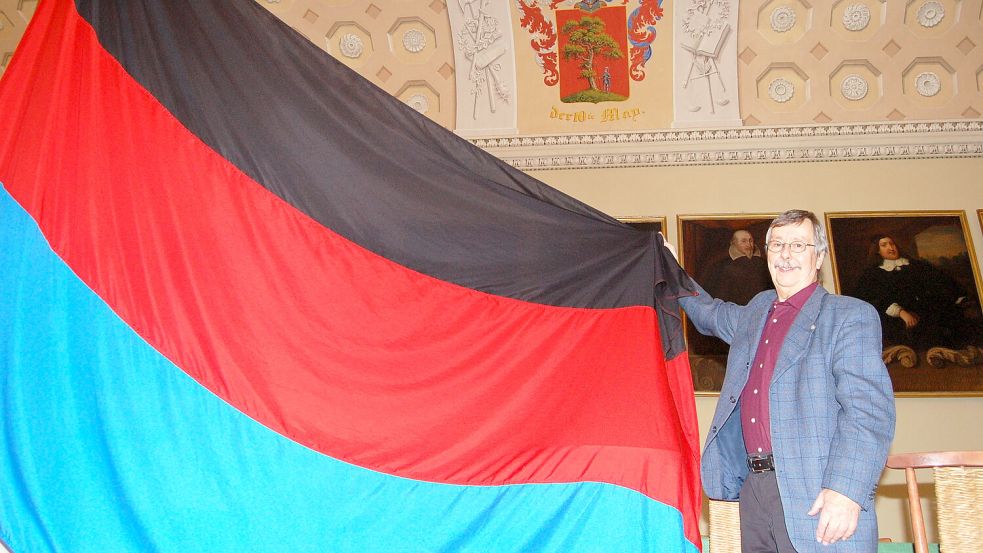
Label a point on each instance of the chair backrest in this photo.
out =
(725, 527)
(958, 492)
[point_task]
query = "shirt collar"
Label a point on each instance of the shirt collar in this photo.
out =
(800, 298)
(892, 264)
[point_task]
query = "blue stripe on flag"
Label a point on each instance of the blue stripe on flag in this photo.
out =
(110, 447)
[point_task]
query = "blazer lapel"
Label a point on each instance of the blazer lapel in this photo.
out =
(798, 337)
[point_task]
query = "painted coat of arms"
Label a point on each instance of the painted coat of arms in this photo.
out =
(592, 49)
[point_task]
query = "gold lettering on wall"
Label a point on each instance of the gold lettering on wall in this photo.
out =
(604, 115)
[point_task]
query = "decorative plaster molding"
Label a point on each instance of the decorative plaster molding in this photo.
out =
(928, 84)
(701, 19)
(930, 14)
(781, 90)
(705, 65)
(782, 19)
(854, 87)
(856, 17)
(419, 102)
(485, 67)
(791, 144)
(351, 45)
(414, 41)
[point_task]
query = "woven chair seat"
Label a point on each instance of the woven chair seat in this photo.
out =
(958, 492)
(725, 527)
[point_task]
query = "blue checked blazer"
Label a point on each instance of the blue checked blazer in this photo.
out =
(831, 404)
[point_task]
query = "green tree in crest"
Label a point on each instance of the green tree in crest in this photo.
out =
(587, 40)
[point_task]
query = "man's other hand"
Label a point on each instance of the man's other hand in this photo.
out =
(838, 516)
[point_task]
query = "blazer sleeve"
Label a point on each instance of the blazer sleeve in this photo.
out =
(711, 316)
(865, 421)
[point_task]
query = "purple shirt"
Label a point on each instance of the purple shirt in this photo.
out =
(755, 417)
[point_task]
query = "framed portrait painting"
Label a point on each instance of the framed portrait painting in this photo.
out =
(919, 270)
(725, 254)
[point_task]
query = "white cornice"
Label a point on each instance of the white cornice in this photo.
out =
(789, 144)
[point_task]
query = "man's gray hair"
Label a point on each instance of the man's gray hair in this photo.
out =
(795, 217)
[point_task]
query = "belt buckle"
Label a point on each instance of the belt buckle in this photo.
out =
(760, 463)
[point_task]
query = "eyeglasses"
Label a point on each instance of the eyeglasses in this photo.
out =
(776, 246)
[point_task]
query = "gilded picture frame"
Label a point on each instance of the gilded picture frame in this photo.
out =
(710, 250)
(645, 222)
(920, 271)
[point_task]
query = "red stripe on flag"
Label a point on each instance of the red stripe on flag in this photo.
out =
(312, 335)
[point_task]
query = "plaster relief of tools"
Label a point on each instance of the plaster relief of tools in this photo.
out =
(478, 40)
(705, 22)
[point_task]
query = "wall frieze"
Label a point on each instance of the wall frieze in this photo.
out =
(760, 144)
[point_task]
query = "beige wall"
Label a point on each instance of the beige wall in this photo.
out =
(924, 423)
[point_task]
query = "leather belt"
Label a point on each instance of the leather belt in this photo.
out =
(761, 463)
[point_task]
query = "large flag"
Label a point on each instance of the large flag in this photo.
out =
(250, 302)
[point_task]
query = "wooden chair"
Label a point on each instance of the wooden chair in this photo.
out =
(959, 497)
(725, 527)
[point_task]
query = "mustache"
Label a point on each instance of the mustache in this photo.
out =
(786, 265)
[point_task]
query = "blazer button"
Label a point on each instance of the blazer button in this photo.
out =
(713, 429)
(733, 400)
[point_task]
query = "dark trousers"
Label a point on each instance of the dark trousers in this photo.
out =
(762, 518)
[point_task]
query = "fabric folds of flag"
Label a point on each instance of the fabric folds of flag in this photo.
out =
(252, 301)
